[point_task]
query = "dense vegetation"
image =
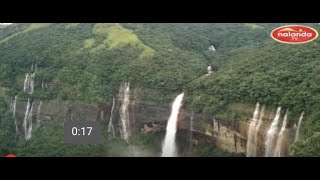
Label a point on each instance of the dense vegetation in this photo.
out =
(273, 74)
(210, 150)
(88, 62)
(7, 132)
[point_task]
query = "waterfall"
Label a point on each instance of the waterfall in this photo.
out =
(271, 135)
(124, 112)
(296, 138)
(256, 135)
(28, 86)
(13, 106)
(13, 110)
(31, 83)
(169, 144)
(212, 48)
(209, 70)
(25, 85)
(29, 120)
(252, 132)
(279, 144)
(25, 119)
(110, 125)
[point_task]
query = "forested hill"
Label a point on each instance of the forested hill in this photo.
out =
(87, 62)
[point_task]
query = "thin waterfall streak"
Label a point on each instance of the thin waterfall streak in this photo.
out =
(110, 125)
(297, 135)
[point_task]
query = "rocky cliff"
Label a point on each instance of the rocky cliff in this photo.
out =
(146, 117)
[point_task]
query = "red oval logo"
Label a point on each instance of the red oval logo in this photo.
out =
(294, 34)
(11, 155)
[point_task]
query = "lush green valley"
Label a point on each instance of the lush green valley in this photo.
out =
(87, 63)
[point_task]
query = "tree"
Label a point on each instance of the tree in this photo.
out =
(308, 148)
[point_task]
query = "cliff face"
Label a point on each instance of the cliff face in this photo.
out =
(58, 110)
(148, 118)
(232, 138)
(143, 117)
(224, 136)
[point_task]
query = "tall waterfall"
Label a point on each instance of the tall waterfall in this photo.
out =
(28, 86)
(25, 119)
(29, 121)
(124, 112)
(169, 144)
(256, 135)
(281, 136)
(272, 135)
(252, 132)
(110, 125)
(297, 136)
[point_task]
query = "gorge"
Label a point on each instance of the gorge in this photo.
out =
(257, 137)
(245, 95)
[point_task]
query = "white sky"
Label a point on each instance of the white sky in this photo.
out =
(5, 23)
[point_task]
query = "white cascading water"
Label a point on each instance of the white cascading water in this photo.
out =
(212, 48)
(31, 83)
(252, 132)
(13, 110)
(25, 85)
(169, 144)
(256, 135)
(27, 120)
(296, 138)
(14, 106)
(124, 112)
(280, 141)
(110, 125)
(209, 68)
(272, 135)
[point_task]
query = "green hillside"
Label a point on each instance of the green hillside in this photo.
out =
(87, 62)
